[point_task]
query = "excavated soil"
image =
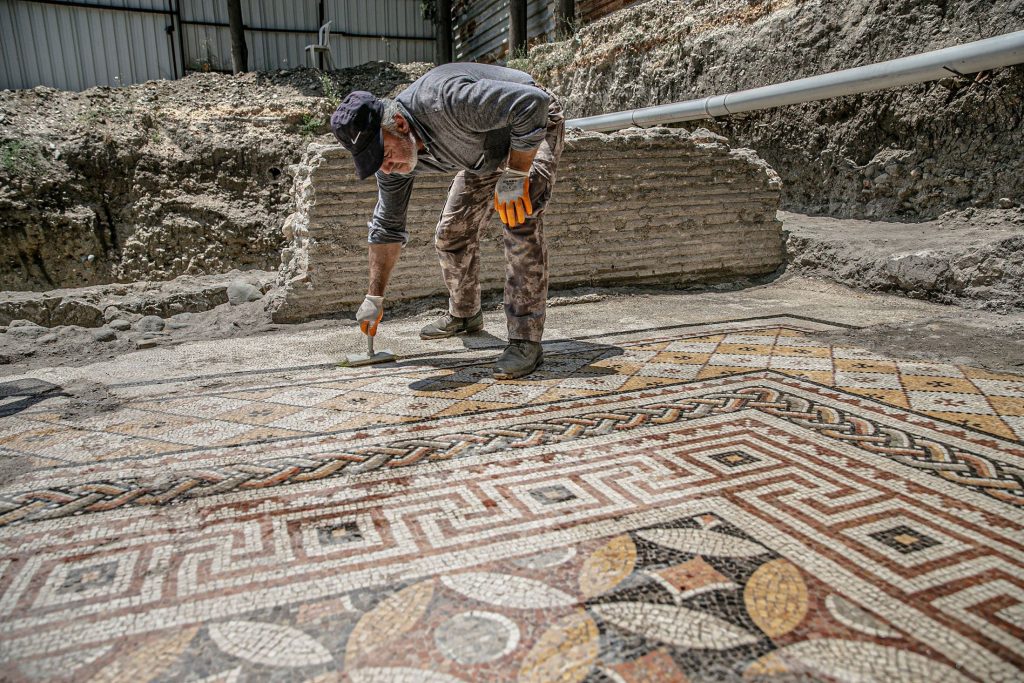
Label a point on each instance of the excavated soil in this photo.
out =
(161, 179)
(910, 153)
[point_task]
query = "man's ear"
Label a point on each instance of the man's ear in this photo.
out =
(401, 124)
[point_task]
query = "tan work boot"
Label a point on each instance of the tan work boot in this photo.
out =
(450, 325)
(521, 357)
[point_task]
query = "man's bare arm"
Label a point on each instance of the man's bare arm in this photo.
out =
(383, 258)
(521, 161)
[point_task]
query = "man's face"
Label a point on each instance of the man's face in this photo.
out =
(400, 154)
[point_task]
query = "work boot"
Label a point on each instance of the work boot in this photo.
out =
(521, 357)
(450, 325)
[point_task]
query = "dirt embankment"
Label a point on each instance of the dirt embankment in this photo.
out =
(161, 179)
(911, 153)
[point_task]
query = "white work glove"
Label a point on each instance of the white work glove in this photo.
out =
(370, 313)
(512, 197)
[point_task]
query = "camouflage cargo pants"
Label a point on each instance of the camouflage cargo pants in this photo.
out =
(469, 208)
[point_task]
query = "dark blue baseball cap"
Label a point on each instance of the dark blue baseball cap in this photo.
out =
(356, 124)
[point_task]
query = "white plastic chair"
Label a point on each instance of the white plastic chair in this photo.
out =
(323, 45)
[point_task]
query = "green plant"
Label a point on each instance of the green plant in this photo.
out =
(19, 158)
(331, 91)
(311, 124)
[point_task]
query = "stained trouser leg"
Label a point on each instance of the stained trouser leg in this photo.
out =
(457, 239)
(526, 257)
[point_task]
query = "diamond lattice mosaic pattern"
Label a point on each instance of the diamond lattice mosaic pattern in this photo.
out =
(731, 503)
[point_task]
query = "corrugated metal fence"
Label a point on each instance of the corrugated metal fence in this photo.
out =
(481, 27)
(78, 44)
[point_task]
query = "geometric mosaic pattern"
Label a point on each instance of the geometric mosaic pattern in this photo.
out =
(716, 505)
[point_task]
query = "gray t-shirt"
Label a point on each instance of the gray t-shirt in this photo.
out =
(468, 116)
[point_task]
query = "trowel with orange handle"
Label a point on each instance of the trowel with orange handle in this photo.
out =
(369, 328)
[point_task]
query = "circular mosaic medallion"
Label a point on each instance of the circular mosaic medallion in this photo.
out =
(476, 637)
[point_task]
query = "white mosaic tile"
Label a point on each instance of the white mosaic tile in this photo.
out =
(510, 393)
(940, 369)
(1000, 387)
(950, 402)
(209, 433)
(204, 406)
(739, 360)
(742, 338)
(1016, 423)
(305, 396)
(692, 347)
(800, 363)
(669, 370)
(315, 420)
(867, 380)
(418, 406)
(858, 354)
(597, 383)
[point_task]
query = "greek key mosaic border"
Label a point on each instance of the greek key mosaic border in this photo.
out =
(999, 480)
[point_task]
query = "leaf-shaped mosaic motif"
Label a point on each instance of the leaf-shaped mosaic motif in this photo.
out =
(388, 620)
(565, 652)
(702, 542)
(149, 661)
(391, 674)
(776, 597)
(507, 590)
(850, 660)
(608, 566)
(852, 616)
(675, 625)
(270, 644)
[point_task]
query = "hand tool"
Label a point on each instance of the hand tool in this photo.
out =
(369, 328)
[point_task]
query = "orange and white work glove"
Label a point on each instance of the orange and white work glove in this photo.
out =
(369, 314)
(512, 197)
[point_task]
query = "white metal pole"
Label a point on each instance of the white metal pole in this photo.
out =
(990, 53)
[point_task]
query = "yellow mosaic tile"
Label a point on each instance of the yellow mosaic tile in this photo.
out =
(978, 373)
(720, 371)
(891, 396)
(622, 367)
(1007, 405)
(558, 394)
(933, 383)
(153, 425)
(985, 423)
(680, 358)
(639, 382)
(854, 365)
(463, 407)
(39, 439)
(806, 351)
(254, 395)
(819, 376)
(140, 447)
(258, 413)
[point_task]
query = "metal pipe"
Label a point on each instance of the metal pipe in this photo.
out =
(991, 53)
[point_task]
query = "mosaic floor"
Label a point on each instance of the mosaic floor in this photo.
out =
(719, 503)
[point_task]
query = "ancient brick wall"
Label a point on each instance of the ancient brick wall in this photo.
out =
(655, 207)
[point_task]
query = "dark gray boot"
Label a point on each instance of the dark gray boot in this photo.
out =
(521, 357)
(450, 325)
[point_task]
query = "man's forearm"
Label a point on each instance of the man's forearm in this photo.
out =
(383, 258)
(521, 161)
